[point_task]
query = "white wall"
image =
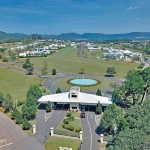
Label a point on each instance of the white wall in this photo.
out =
(74, 105)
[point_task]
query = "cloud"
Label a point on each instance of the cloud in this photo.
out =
(132, 8)
(137, 18)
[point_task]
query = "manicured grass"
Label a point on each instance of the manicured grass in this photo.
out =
(75, 124)
(16, 83)
(75, 114)
(54, 143)
(62, 83)
(98, 53)
(66, 60)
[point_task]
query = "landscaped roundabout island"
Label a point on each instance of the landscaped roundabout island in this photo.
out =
(86, 85)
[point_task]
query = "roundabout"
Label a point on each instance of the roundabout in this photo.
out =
(95, 83)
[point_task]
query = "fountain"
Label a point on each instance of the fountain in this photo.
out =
(84, 81)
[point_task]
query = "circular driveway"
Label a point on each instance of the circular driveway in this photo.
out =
(53, 82)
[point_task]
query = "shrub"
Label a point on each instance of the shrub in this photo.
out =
(44, 90)
(141, 66)
(71, 128)
(71, 118)
(68, 114)
(26, 125)
(1, 56)
(5, 59)
(66, 121)
(78, 129)
(54, 71)
(65, 126)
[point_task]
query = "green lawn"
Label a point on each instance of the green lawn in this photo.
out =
(62, 83)
(54, 143)
(66, 60)
(76, 123)
(16, 83)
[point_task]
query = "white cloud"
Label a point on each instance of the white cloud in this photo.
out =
(131, 8)
(137, 18)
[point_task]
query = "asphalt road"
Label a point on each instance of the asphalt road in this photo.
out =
(90, 137)
(43, 128)
(12, 137)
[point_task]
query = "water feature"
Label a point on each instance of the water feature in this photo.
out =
(83, 81)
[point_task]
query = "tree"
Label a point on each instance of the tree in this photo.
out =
(54, 71)
(119, 97)
(13, 57)
(111, 71)
(13, 114)
(138, 117)
(35, 92)
(131, 139)
(26, 124)
(18, 117)
(44, 69)
(2, 50)
(8, 103)
(28, 66)
(58, 90)
(5, 59)
(98, 108)
(29, 109)
(82, 70)
(98, 93)
(134, 85)
(48, 107)
(112, 115)
(1, 98)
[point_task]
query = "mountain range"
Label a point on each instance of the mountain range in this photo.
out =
(85, 36)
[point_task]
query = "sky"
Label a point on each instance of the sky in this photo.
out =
(74, 16)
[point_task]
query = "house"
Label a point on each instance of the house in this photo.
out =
(53, 46)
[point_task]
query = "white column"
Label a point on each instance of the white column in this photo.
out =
(34, 128)
(80, 135)
(101, 138)
(52, 131)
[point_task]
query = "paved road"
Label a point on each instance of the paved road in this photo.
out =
(90, 137)
(43, 128)
(12, 137)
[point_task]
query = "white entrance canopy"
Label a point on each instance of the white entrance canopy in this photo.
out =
(82, 98)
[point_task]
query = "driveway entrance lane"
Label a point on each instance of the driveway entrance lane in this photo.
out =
(43, 128)
(90, 137)
(86, 133)
(95, 136)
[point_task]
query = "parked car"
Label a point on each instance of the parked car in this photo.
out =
(82, 115)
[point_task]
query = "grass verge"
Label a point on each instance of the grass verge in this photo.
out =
(16, 83)
(53, 143)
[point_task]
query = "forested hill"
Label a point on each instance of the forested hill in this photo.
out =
(85, 36)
